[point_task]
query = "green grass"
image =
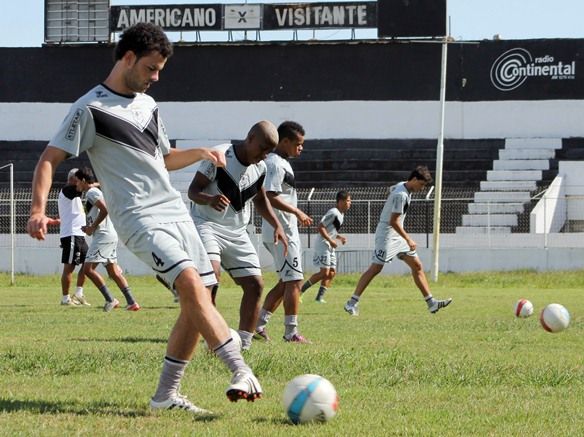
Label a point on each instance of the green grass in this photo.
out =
(472, 369)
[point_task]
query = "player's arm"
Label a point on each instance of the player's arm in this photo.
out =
(264, 207)
(396, 225)
(103, 212)
(341, 238)
(218, 202)
(277, 202)
(41, 185)
(181, 158)
(324, 234)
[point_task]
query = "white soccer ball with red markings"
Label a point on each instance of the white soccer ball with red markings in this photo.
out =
(310, 398)
(523, 308)
(554, 318)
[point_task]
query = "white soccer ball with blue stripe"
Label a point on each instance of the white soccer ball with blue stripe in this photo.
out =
(310, 398)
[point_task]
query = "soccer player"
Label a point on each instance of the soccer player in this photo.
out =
(222, 199)
(325, 256)
(72, 219)
(392, 240)
(104, 244)
(280, 186)
(120, 128)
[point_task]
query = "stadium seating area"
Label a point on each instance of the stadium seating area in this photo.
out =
(351, 163)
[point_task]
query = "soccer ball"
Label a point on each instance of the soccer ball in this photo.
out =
(554, 318)
(523, 308)
(310, 398)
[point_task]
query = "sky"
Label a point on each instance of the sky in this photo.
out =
(22, 22)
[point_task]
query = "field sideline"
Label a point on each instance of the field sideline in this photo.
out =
(471, 369)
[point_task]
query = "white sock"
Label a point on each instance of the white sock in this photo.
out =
(79, 291)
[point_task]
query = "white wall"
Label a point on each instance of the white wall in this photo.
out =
(216, 121)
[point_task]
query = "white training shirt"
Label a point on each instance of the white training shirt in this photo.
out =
(105, 230)
(125, 140)
(280, 179)
(71, 212)
(238, 182)
(398, 202)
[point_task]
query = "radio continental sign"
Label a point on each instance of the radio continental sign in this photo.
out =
(247, 16)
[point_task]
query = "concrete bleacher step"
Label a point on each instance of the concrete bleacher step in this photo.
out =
(495, 208)
(502, 196)
(483, 230)
(522, 154)
(533, 143)
(521, 164)
(489, 220)
(517, 175)
(508, 185)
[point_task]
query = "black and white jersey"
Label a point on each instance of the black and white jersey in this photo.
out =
(126, 141)
(238, 182)
(71, 212)
(332, 221)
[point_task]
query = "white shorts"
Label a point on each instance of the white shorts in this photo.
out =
(289, 267)
(388, 245)
(235, 251)
(325, 257)
(105, 252)
(170, 248)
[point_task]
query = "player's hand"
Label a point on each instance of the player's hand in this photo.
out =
(54, 221)
(303, 218)
(333, 244)
(88, 229)
(217, 157)
(412, 244)
(279, 235)
(219, 202)
(37, 226)
(342, 239)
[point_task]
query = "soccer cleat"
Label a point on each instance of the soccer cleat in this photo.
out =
(68, 301)
(439, 304)
(352, 309)
(262, 334)
(80, 300)
(321, 300)
(297, 338)
(244, 385)
(134, 307)
(111, 305)
(178, 402)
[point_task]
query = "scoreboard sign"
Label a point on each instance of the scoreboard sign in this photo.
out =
(393, 18)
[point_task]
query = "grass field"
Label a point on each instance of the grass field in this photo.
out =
(472, 369)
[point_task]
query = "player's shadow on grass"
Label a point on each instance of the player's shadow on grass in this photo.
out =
(80, 409)
(67, 407)
(123, 340)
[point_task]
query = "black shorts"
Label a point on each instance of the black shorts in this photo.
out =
(74, 250)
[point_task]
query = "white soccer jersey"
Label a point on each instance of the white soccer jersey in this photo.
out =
(280, 179)
(105, 232)
(71, 212)
(332, 221)
(125, 140)
(398, 202)
(238, 182)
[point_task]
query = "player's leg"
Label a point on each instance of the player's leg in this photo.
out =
(316, 277)
(249, 308)
(90, 270)
(175, 252)
(324, 274)
(421, 282)
(66, 279)
(115, 273)
(271, 303)
(80, 247)
(291, 307)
